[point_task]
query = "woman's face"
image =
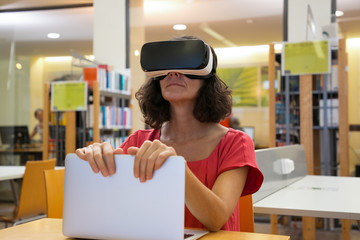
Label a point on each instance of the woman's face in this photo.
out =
(176, 87)
(39, 115)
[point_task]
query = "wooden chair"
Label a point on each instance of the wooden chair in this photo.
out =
(32, 202)
(54, 185)
(246, 214)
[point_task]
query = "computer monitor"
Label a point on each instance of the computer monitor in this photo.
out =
(249, 131)
(13, 135)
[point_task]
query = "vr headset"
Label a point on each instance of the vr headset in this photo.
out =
(192, 58)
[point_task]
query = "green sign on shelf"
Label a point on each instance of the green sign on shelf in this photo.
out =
(68, 96)
(306, 58)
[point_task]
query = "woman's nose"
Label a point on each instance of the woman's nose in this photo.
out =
(174, 74)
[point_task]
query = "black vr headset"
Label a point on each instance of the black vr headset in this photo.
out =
(192, 58)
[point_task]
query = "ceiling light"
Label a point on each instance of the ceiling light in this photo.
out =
(136, 53)
(53, 35)
(58, 59)
(339, 13)
(18, 66)
(354, 42)
(179, 27)
(155, 6)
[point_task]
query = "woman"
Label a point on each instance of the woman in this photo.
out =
(185, 114)
(38, 129)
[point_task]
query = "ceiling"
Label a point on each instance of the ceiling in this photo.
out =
(222, 23)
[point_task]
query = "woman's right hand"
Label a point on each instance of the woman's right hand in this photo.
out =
(100, 156)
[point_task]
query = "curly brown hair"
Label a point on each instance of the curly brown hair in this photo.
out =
(213, 104)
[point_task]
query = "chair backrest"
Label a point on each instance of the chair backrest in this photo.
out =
(54, 185)
(32, 195)
(246, 214)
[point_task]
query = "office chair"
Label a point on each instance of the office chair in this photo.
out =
(246, 214)
(54, 185)
(32, 202)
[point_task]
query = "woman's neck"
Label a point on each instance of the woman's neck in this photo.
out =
(183, 126)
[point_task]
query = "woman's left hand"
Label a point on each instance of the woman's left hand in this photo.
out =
(149, 157)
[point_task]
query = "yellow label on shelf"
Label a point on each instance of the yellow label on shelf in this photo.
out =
(306, 58)
(68, 96)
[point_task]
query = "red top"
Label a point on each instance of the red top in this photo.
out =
(235, 150)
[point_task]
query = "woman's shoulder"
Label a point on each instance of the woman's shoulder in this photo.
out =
(137, 138)
(147, 134)
(236, 135)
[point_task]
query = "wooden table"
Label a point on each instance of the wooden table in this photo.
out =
(51, 228)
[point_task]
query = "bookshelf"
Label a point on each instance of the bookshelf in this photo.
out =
(108, 116)
(64, 142)
(312, 110)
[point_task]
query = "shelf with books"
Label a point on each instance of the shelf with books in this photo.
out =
(109, 116)
(319, 96)
(310, 106)
(110, 81)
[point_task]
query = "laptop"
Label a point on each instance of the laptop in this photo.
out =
(281, 166)
(120, 207)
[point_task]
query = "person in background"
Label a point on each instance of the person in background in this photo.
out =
(235, 123)
(38, 129)
(184, 113)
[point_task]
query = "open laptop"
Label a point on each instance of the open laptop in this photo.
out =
(120, 207)
(281, 166)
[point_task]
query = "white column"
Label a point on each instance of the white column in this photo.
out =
(306, 16)
(110, 32)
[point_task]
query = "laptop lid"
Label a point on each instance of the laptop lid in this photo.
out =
(119, 206)
(280, 166)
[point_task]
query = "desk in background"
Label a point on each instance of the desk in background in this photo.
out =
(15, 172)
(315, 196)
(10, 173)
(51, 228)
(25, 153)
(288, 190)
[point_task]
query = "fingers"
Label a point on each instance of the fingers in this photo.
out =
(118, 151)
(99, 160)
(100, 157)
(108, 156)
(150, 157)
(132, 150)
(170, 151)
(89, 156)
(139, 160)
(80, 152)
